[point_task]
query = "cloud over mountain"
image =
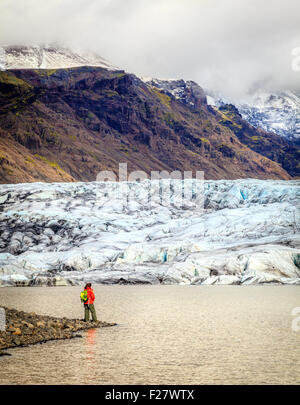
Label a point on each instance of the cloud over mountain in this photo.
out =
(230, 46)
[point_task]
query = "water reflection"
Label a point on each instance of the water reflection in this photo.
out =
(90, 340)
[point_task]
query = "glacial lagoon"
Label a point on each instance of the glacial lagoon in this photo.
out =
(166, 334)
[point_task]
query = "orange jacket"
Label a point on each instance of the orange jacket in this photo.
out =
(90, 296)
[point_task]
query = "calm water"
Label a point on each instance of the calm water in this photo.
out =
(165, 335)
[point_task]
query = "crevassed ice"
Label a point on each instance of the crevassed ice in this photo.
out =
(225, 232)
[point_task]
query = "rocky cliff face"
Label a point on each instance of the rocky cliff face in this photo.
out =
(68, 124)
(188, 92)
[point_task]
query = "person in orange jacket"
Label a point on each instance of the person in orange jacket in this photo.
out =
(89, 304)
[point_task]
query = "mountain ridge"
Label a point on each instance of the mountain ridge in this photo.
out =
(277, 112)
(48, 57)
(68, 124)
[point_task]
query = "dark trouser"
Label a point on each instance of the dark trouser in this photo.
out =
(87, 309)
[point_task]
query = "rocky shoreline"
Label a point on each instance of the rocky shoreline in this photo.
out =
(24, 329)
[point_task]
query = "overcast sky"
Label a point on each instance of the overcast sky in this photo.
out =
(230, 46)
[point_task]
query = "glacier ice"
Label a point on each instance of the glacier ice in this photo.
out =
(229, 232)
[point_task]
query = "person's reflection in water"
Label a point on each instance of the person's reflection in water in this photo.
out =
(90, 344)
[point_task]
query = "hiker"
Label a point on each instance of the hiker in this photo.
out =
(88, 298)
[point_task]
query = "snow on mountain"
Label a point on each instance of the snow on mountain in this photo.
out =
(279, 113)
(187, 92)
(227, 232)
(273, 112)
(47, 57)
(175, 87)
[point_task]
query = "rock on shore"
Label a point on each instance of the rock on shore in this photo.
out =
(24, 329)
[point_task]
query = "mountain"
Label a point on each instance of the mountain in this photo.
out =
(67, 124)
(271, 145)
(279, 148)
(48, 57)
(276, 112)
(188, 92)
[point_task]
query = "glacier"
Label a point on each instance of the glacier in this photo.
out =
(228, 232)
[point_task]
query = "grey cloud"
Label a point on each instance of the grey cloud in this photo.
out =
(230, 46)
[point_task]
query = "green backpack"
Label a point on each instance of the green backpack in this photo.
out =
(83, 296)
